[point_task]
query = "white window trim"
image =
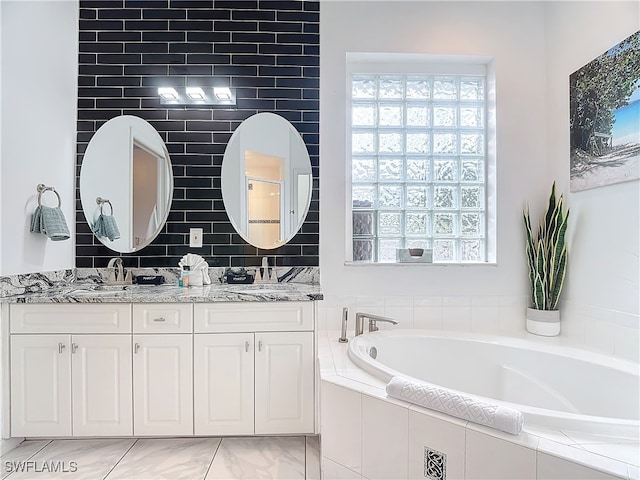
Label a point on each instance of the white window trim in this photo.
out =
(410, 63)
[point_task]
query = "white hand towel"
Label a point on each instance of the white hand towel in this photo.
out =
(196, 264)
(457, 404)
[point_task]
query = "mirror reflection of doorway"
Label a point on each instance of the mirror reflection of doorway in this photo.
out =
(264, 179)
(146, 189)
(263, 208)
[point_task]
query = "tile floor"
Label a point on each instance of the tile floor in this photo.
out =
(165, 458)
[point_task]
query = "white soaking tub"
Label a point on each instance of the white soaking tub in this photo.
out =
(554, 387)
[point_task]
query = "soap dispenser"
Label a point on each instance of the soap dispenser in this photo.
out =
(184, 276)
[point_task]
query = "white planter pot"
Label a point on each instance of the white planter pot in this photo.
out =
(543, 322)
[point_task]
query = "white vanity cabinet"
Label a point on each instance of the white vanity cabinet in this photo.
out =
(162, 369)
(70, 370)
(250, 376)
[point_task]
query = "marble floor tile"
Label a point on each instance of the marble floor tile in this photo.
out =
(170, 458)
(75, 459)
(312, 456)
(23, 452)
(259, 457)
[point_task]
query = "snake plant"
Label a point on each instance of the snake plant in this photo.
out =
(547, 254)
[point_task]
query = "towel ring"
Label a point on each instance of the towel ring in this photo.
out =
(101, 201)
(43, 188)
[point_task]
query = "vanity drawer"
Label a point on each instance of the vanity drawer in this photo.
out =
(252, 316)
(162, 318)
(71, 318)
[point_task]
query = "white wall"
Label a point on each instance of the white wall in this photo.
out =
(39, 60)
(602, 295)
(513, 33)
(536, 46)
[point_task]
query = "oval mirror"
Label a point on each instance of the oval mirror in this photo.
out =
(266, 180)
(126, 183)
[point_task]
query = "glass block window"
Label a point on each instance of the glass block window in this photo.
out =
(418, 166)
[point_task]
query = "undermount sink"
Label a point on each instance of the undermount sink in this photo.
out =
(98, 292)
(259, 289)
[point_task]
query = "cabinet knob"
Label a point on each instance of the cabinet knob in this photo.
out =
(159, 319)
(260, 345)
(61, 347)
(246, 346)
(74, 347)
(136, 347)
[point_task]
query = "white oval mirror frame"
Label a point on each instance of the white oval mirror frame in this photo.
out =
(127, 163)
(266, 180)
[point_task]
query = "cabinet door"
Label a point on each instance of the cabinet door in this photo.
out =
(40, 385)
(223, 383)
(101, 372)
(162, 385)
(284, 379)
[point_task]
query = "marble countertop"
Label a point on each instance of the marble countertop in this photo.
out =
(92, 293)
(90, 285)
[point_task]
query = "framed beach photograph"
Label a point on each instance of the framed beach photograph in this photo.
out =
(605, 118)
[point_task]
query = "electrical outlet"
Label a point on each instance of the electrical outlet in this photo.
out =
(195, 237)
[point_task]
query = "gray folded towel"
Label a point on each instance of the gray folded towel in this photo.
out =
(50, 221)
(106, 226)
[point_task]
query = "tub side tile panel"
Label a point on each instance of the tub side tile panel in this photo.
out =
(384, 439)
(426, 431)
(554, 468)
(341, 425)
(488, 457)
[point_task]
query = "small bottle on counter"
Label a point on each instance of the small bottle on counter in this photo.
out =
(183, 281)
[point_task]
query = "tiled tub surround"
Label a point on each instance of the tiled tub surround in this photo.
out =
(365, 434)
(267, 50)
(602, 330)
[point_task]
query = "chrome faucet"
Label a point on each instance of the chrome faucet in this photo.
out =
(116, 273)
(373, 319)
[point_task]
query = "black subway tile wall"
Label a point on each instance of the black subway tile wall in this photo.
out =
(267, 50)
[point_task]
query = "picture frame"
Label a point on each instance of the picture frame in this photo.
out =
(604, 118)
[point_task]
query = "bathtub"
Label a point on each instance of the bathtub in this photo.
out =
(558, 388)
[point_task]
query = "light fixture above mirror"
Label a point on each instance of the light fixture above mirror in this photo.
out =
(199, 96)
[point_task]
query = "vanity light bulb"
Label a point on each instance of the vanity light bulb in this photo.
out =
(168, 93)
(222, 93)
(195, 93)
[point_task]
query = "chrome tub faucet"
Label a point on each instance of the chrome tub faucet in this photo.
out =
(373, 319)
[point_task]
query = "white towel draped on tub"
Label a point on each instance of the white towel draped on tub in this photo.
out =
(456, 404)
